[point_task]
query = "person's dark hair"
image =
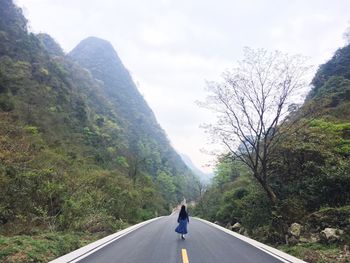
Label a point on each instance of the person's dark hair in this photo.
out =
(183, 213)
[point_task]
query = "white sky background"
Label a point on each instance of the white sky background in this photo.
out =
(172, 46)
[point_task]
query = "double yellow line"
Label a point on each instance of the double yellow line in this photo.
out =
(184, 256)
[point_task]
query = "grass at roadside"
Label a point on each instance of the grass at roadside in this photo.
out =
(43, 247)
(317, 253)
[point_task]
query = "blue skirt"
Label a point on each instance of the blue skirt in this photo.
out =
(182, 227)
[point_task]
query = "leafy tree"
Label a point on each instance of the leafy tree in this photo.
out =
(166, 186)
(338, 65)
(311, 166)
(79, 149)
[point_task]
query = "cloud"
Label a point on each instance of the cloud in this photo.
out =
(171, 47)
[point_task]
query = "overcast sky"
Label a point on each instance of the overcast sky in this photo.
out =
(171, 47)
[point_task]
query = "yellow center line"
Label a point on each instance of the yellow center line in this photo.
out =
(184, 256)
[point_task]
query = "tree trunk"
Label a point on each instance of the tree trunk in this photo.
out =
(133, 173)
(270, 193)
(272, 196)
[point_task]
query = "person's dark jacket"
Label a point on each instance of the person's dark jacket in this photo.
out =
(182, 216)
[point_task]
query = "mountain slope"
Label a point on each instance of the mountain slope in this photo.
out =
(338, 65)
(205, 177)
(77, 151)
(310, 175)
(142, 129)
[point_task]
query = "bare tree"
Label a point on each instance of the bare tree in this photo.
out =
(251, 103)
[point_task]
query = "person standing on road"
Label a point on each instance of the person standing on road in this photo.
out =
(183, 220)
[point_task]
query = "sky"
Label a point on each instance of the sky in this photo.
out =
(172, 47)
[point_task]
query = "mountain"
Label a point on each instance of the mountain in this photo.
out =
(80, 149)
(205, 177)
(50, 45)
(309, 173)
(331, 87)
(142, 130)
(338, 66)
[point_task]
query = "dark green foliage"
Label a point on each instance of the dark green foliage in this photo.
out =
(235, 197)
(41, 248)
(312, 166)
(338, 65)
(330, 217)
(149, 149)
(12, 24)
(50, 45)
(76, 153)
(6, 103)
(316, 252)
(333, 99)
(309, 172)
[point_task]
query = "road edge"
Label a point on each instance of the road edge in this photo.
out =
(87, 250)
(284, 257)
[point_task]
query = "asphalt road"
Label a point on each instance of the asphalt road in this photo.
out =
(157, 242)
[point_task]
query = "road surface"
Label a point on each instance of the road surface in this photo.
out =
(157, 242)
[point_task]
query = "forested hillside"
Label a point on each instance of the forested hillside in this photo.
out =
(80, 150)
(309, 172)
(148, 146)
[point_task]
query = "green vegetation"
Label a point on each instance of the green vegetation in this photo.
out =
(41, 248)
(317, 253)
(309, 171)
(82, 153)
(80, 150)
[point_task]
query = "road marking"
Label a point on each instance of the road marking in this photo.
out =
(184, 256)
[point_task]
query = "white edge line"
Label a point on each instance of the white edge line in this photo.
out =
(284, 257)
(83, 252)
